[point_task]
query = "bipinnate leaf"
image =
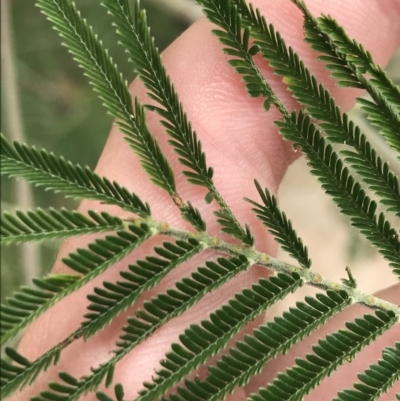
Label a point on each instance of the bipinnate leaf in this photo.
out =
(316, 130)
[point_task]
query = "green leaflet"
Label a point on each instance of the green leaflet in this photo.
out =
(36, 225)
(61, 176)
(279, 226)
(119, 394)
(377, 379)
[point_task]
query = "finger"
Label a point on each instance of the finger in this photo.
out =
(240, 144)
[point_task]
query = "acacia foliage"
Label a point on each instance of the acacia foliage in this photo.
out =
(316, 130)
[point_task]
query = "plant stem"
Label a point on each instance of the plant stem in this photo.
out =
(309, 277)
(23, 191)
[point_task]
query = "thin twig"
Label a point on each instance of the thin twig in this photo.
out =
(309, 277)
(23, 191)
(184, 10)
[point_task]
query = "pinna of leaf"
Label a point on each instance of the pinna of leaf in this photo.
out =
(235, 23)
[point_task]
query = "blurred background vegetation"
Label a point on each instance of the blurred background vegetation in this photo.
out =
(46, 98)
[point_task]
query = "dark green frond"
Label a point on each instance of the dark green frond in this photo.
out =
(382, 112)
(193, 216)
(147, 62)
(159, 311)
(388, 129)
(29, 303)
(148, 149)
(111, 87)
(344, 189)
(137, 41)
(379, 179)
(377, 379)
(21, 372)
(36, 225)
(200, 342)
(357, 56)
(348, 61)
(61, 176)
(229, 226)
(267, 342)
(321, 106)
(108, 302)
(225, 15)
(25, 304)
(328, 355)
(279, 226)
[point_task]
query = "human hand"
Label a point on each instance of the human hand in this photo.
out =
(240, 141)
